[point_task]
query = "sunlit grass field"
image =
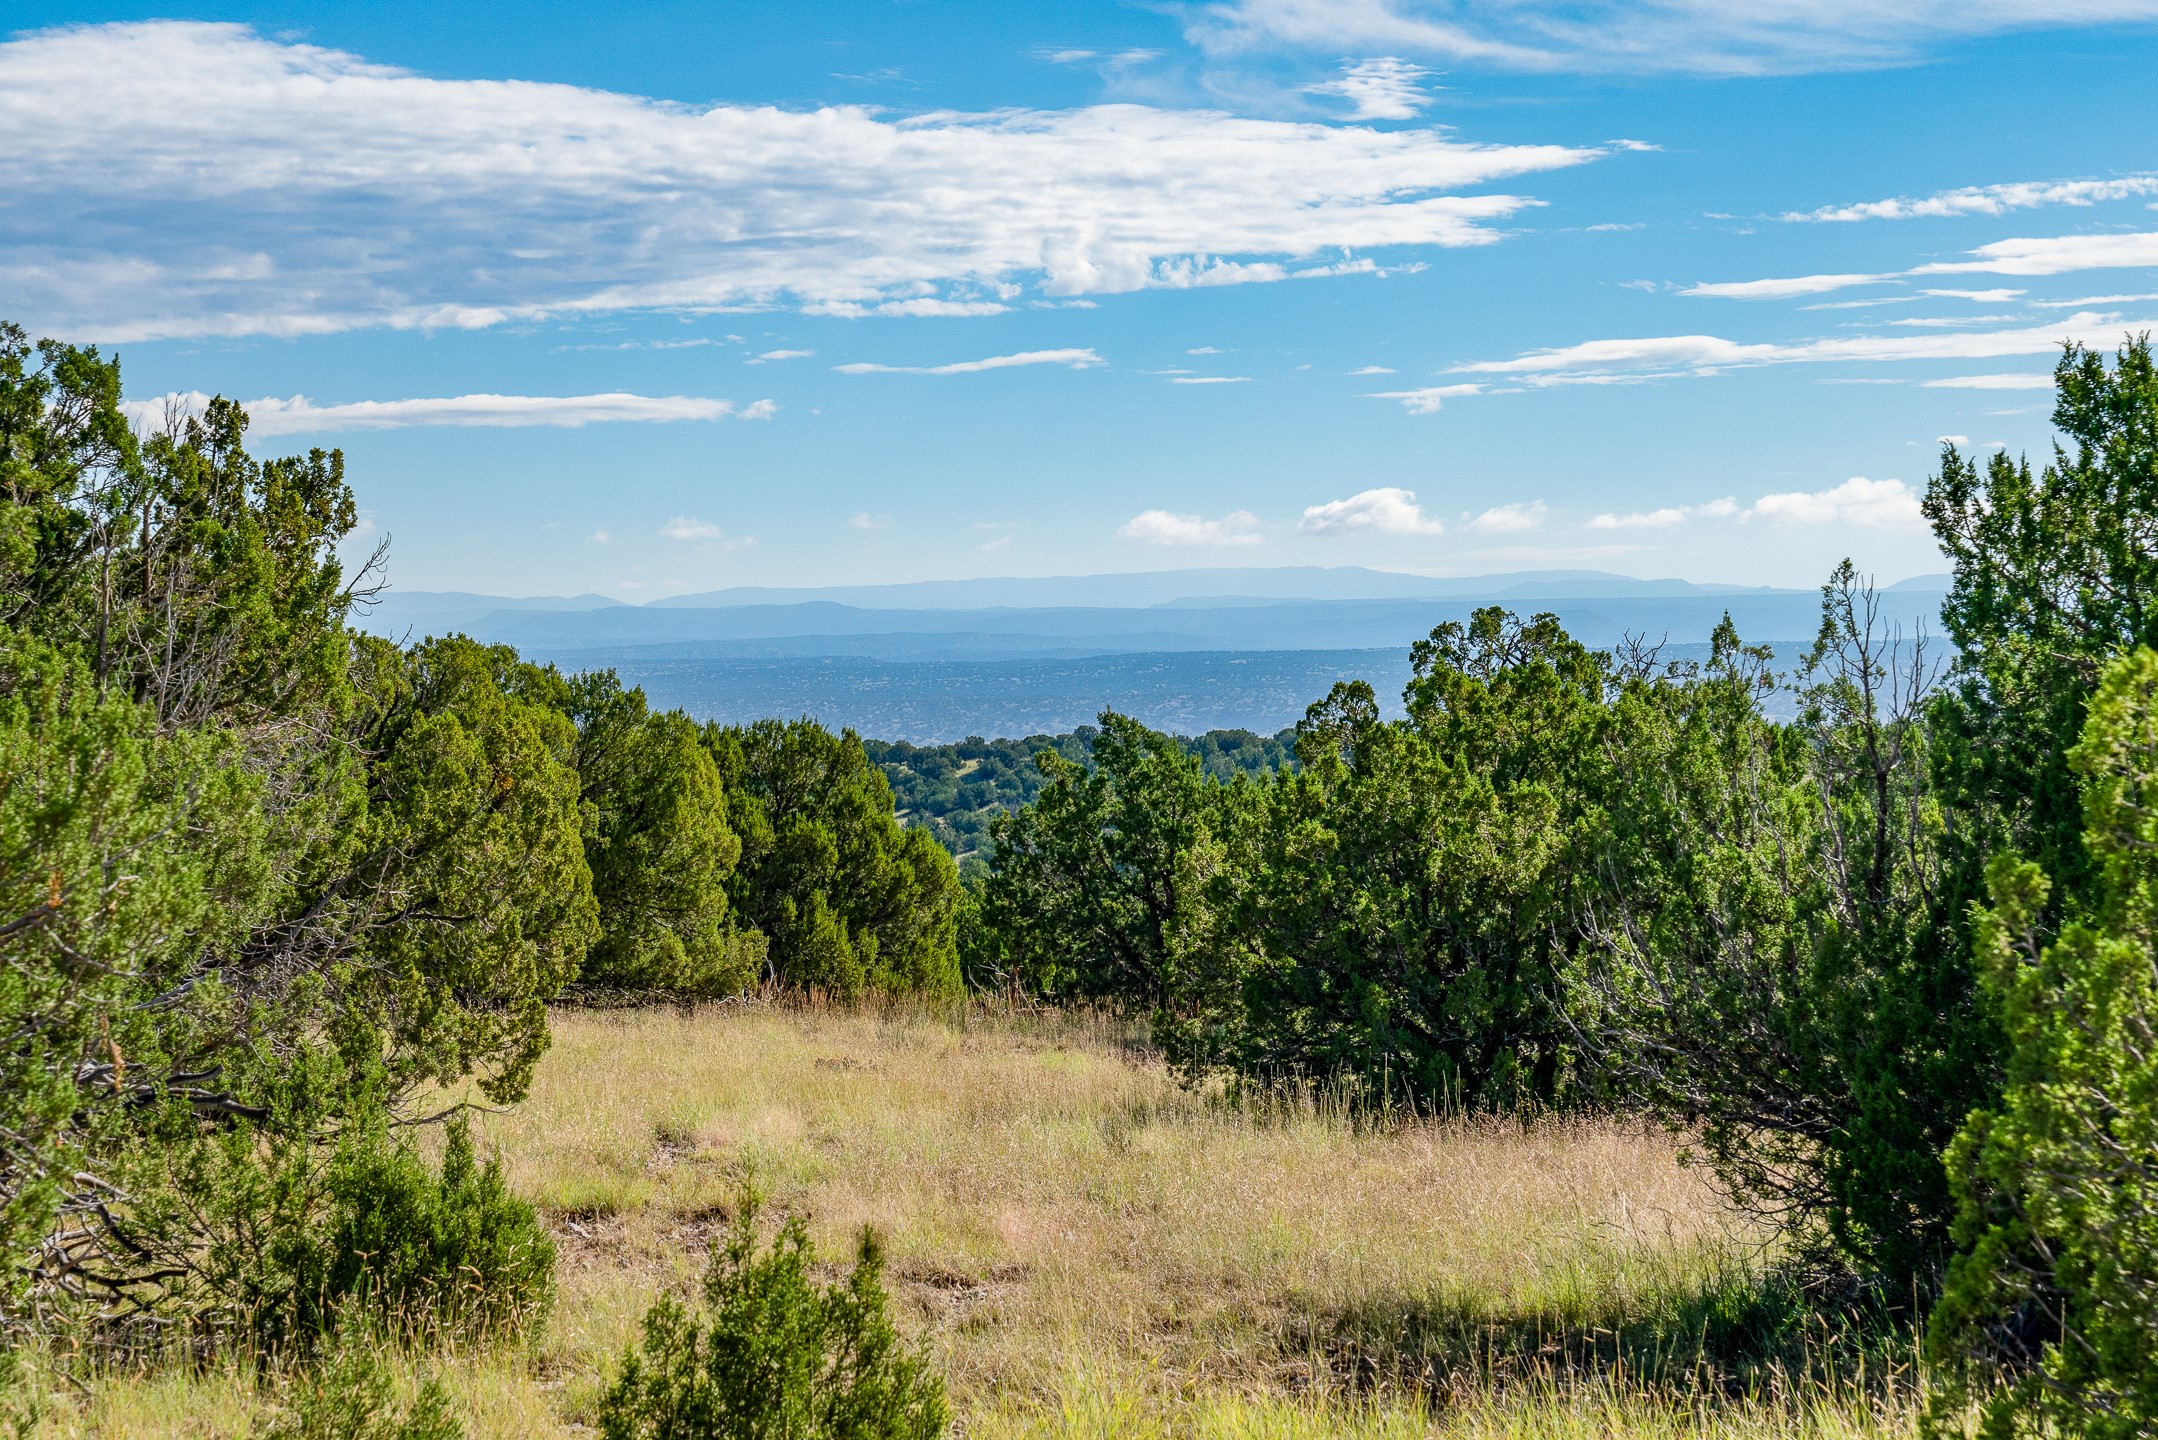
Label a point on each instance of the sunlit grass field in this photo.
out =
(1087, 1248)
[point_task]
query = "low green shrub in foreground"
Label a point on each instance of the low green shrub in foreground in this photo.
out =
(380, 1235)
(775, 1354)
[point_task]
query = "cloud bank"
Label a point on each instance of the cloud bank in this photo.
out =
(175, 179)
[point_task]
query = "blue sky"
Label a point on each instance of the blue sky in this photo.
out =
(655, 299)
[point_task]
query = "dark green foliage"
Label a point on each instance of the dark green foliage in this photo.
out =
(1097, 884)
(2058, 1184)
(660, 847)
(86, 784)
(353, 1398)
(848, 899)
(2055, 574)
(957, 791)
(774, 1353)
(1405, 901)
(374, 1234)
(1768, 951)
(264, 880)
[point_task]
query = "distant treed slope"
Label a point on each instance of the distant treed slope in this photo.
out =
(956, 791)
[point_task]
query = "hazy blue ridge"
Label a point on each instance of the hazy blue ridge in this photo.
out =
(918, 667)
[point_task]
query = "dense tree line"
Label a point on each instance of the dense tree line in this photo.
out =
(957, 791)
(275, 893)
(1890, 963)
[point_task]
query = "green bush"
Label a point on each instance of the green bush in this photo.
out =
(2058, 1184)
(377, 1232)
(774, 1354)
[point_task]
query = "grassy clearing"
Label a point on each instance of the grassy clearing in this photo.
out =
(1088, 1249)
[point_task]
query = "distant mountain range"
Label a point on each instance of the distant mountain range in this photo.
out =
(1242, 610)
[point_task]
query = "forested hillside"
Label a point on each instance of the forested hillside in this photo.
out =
(956, 792)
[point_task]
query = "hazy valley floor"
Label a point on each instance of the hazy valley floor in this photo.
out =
(1087, 1248)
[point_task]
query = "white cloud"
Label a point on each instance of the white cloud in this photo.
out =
(1372, 370)
(1948, 322)
(174, 179)
(2032, 255)
(684, 527)
(1604, 362)
(863, 520)
(1993, 297)
(1076, 359)
(1988, 199)
(1992, 382)
(779, 355)
(1668, 516)
(299, 415)
(1430, 399)
(1204, 350)
(1211, 380)
(1511, 519)
(1707, 36)
(1870, 504)
(2084, 300)
(2054, 255)
(1381, 89)
(600, 537)
(1388, 510)
(1664, 517)
(1785, 289)
(1163, 527)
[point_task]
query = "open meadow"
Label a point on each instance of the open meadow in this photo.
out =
(1087, 1248)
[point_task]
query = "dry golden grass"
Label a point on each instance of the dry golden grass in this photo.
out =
(1087, 1248)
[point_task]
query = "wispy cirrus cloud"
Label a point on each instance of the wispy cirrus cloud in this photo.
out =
(1074, 359)
(173, 178)
(1164, 527)
(299, 415)
(1721, 37)
(2032, 255)
(1386, 510)
(1991, 382)
(1430, 399)
(1985, 200)
(1619, 361)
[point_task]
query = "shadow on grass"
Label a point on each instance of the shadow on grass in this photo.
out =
(1739, 1334)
